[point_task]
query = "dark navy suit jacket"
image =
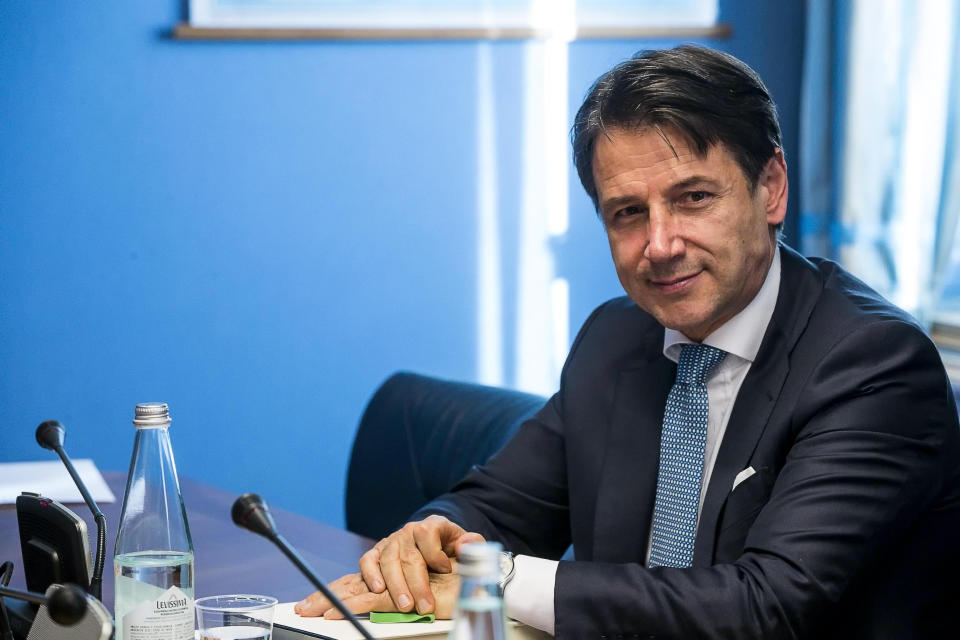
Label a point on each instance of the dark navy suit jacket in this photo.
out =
(850, 527)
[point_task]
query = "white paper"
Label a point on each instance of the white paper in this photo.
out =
(343, 630)
(287, 625)
(51, 480)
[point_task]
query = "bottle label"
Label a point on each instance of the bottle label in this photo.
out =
(169, 617)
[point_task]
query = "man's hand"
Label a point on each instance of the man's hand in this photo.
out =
(401, 561)
(353, 592)
(398, 567)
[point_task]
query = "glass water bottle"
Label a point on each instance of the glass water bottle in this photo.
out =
(153, 555)
(479, 614)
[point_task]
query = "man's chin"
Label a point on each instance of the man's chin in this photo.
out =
(695, 330)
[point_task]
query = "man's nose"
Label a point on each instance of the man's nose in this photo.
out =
(663, 238)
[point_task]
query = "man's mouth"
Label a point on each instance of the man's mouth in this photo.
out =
(675, 284)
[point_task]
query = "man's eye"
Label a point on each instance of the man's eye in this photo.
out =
(695, 197)
(625, 215)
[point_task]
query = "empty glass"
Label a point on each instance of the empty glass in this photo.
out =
(235, 617)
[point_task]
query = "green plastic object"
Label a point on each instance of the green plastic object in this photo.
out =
(390, 616)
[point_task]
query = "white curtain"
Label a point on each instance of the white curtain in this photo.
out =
(894, 180)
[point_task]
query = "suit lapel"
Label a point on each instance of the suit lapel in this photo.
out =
(629, 474)
(757, 397)
(799, 290)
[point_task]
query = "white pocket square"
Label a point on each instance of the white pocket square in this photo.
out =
(743, 475)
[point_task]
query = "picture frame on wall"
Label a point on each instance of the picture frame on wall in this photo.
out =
(451, 14)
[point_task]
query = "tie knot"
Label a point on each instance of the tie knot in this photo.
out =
(697, 361)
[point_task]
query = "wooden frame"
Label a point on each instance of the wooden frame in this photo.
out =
(184, 31)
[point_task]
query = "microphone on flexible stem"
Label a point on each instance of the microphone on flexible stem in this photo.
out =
(66, 612)
(50, 436)
(66, 605)
(251, 512)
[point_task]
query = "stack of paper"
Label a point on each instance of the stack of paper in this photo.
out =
(51, 480)
(287, 625)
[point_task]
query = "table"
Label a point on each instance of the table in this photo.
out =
(228, 559)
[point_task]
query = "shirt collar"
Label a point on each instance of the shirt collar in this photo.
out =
(740, 335)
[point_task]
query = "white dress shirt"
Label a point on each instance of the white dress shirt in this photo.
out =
(529, 595)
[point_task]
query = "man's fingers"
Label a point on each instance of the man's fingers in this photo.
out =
(363, 604)
(415, 574)
(393, 558)
(349, 586)
(311, 606)
(370, 568)
(429, 540)
(449, 535)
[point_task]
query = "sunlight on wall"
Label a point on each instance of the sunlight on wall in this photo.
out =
(543, 304)
(489, 273)
(543, 308)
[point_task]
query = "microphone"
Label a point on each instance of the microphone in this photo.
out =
(50, 436)
(65, 605)
(250, 512)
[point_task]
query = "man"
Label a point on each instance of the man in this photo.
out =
(796, 475)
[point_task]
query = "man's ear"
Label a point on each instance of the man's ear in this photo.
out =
(772, 184)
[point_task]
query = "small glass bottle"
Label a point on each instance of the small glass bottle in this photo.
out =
(479, 614)
(153, 555)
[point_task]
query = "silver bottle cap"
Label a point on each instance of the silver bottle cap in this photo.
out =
(479, 559)
(152, 415)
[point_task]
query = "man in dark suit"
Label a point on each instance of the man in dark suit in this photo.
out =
(752, 445)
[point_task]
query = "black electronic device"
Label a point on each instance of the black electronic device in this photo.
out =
(250, 512)
(66, 612)
(53, 541)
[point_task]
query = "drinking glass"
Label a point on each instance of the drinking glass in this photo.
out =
(235, 617)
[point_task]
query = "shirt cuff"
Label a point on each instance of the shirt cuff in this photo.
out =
(528, 597)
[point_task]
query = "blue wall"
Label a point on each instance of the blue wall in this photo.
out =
(259, 233)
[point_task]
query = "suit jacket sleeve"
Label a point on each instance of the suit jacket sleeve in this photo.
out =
(519, 497)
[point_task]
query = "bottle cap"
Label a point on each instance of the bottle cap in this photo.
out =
(151, 415)
(480, 559)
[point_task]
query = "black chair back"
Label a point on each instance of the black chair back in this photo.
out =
(417, 438)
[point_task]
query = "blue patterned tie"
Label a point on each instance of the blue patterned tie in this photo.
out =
(682, 441)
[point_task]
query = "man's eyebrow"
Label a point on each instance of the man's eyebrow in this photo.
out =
(686, 183)
(617, 202)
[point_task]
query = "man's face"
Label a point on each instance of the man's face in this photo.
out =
(691, 243)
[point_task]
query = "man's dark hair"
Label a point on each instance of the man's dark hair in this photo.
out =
(708, 96)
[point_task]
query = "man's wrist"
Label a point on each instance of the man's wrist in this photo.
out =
(528, 598)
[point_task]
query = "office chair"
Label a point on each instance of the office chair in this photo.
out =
(418, 436)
